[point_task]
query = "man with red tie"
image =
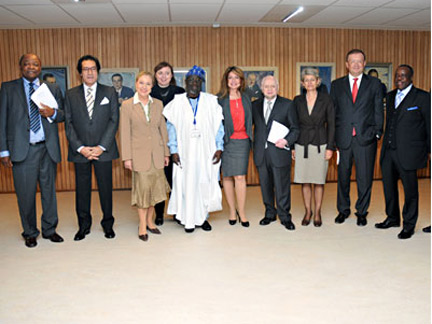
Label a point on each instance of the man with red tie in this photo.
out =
(359, 123)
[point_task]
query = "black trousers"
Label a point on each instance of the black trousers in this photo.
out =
(160, 207)
(83, 177)
(364, 159)
(392, 171)
(275, 181)
(38, 167)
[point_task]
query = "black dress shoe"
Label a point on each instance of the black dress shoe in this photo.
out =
(289, 225)
(306, 219)
(143, 237)
(317, 220)
(189, 230)
(405, 234)
(206, 226)
(109, 234)
(387, 224)
(53, 238)
(427, 229)
(159, 220)
(30, 242)
(340, 218)
(244, 224)
(266, 221)
(80, 235)
(361, 221)
(154, 230)
(232, 221)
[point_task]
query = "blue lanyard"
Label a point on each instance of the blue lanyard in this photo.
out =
(196, 108)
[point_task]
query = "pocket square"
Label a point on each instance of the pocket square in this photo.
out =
(412, 108)
(105, 101)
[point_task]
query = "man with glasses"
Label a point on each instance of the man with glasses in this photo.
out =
(92, 118)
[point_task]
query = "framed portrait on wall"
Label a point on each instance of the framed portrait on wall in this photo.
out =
(383, 71)
(122, 79)
(180, 76)
(326, 70)
(56, 74)
(254, 75)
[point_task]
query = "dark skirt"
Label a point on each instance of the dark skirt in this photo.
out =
(235, 157)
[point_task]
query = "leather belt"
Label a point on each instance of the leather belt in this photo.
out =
(37, 143)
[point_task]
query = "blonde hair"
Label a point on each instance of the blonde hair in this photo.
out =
(142, 73)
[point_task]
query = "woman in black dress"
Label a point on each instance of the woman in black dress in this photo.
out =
(164, 89)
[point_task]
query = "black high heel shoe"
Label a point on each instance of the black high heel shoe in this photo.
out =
(244, 224)
(317, 220)
(306, 220)
(232, 221)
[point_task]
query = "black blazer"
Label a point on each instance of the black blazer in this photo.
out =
(100, 130)
(15, 122)
(171, 91)
(319, 127)
(228, 122)
(366, 115)
(411, 123)
(284, 112)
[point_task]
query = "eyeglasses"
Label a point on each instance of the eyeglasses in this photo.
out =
(87, 70)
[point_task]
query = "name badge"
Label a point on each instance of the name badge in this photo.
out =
(195, 133)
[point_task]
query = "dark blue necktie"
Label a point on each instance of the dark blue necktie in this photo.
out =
(34, 112)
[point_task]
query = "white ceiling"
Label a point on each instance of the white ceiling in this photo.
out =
(365, 14)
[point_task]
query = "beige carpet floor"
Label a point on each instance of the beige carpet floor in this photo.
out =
(333, 274)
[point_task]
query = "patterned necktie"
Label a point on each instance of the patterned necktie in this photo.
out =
(34, 112)
(355, 90)
(90, 102)
(268, 111)
(399, 98)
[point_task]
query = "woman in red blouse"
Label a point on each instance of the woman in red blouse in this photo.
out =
(236, 107)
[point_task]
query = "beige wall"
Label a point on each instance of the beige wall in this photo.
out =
(144, 47)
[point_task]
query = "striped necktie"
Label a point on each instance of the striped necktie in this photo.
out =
(35, 124)
(90, 102)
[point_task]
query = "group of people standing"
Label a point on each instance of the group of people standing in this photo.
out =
(178, 140)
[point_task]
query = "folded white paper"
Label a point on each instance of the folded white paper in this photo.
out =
(277, 132)
(104, 101)
(44, 95)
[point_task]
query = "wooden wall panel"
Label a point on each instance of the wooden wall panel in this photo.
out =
(144, 47)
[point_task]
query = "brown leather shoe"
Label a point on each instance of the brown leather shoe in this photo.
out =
(143, 237)
(154, 230)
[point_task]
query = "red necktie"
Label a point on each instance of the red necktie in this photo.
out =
(355, 90)
(354, 95)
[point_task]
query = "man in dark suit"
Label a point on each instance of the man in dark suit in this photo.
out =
(273, 160)
(92, 118)
(405, 149)
(29, 143)
(359, 123)
(123, 92)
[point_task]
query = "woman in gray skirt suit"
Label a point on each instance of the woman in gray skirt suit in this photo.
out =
(237, 113)
(315, 145)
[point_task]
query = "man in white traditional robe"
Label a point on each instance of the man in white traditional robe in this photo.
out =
(195, 130)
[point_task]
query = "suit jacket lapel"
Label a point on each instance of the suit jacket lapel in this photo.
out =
(347, 87)
(22, 95)
(364, 84)
(99, 96)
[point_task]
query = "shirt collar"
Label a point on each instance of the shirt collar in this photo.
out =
(351, 78)
(35, 81)
(93, 87)
(406, 90)
(136, 99)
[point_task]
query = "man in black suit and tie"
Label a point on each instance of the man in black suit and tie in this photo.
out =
(273, 160)
(405, 149)
(92, 118)
(29, 143)
(359, 122)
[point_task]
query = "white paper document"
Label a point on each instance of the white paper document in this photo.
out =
(44, 95)
(277, 131)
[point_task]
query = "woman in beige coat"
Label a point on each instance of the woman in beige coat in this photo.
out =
(144, 151)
